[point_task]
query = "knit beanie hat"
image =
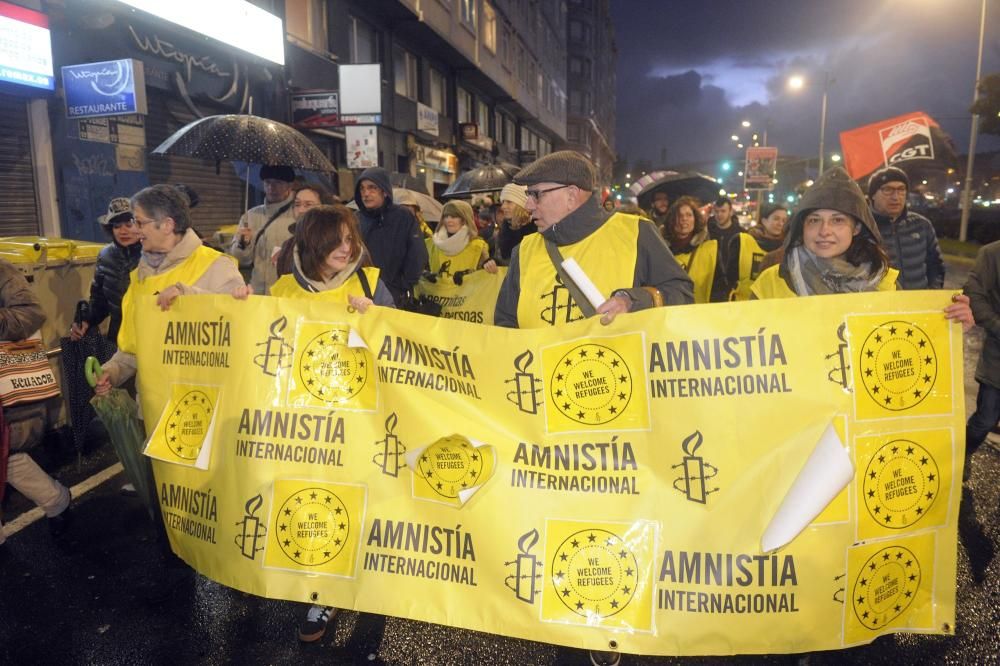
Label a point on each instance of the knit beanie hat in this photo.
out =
(566, 167)
(514, 193)
(885, 175)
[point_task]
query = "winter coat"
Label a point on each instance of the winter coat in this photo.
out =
(392, 236)
(983, 290)
(912, 246)
(21, 315)
(20, 312)
(114, 263)
(258, 251)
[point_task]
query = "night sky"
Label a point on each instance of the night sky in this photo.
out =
(690, 71)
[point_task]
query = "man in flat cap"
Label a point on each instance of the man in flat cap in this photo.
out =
(621, 254)
(264, 228)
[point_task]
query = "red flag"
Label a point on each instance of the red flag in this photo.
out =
(913, 139)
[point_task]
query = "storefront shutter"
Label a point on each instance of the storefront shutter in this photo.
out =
(220, 195)
(17, 178)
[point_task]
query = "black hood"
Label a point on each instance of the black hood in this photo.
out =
(834, 190)
(380, 177)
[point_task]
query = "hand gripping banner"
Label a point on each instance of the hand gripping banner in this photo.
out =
(785, 473)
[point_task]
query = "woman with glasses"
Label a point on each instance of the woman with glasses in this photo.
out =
(114, 264)
(307, 196)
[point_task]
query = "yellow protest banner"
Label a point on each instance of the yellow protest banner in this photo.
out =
(474, 300)
(635, 519)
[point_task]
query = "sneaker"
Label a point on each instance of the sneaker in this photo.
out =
(602, 658)
(314, 626)
(128, 490)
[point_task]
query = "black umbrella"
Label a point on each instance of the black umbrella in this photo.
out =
(245, 138)
(489, 178)
(676, 185)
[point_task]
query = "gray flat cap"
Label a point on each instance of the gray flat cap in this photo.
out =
(566, 167)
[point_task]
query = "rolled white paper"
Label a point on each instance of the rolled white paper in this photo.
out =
(588, 288)
(827, 471)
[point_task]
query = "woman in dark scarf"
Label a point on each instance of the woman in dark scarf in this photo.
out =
(833, 246)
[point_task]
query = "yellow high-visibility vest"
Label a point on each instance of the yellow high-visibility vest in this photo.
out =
(751, 256)
(187, 272)
(772, 285)
(608, 257)
(700, 266)
(466, 260)
(287, 286)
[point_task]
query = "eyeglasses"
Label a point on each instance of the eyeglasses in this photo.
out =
(142, 223)
(893, 191)
(537, 194)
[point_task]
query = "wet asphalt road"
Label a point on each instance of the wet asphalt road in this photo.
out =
(85, 600)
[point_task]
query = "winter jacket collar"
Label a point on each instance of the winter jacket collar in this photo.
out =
(579, 224)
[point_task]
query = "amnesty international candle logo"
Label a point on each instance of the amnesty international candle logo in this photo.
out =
(183, 433)
(332, 367)
(251, 535)
(599, 574)
(902, 482)
(899, 364)
(451, 469)
(274, 353)
(596, 382)
(315, 527)
(525, 387)
(696, 473)
(889, 588)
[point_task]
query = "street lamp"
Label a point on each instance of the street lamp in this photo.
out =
(735, 138)
(745, 123)
(796, 83)
(963, 227)
(835, 157)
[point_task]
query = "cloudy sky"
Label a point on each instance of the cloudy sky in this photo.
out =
(690, 71)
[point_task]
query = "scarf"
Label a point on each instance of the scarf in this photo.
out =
(316, 286)
(812, 275)
(451, 245)
(154, 259)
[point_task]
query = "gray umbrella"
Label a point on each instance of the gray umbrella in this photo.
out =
(489, 178)
(245, 138)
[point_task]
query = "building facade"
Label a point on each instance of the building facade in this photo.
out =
(592, 58)
(461, 83)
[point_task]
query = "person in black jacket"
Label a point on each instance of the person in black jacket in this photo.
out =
(908, 238)
(391, 233)
(114, 264)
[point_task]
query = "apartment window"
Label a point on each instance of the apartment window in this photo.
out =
(464, 106)
(509, 132)
(438, 92)
(362, 42)
(404, 67)
(579, 66)
(506, 53)
(489, 27)
(483, 119)
(498, 127)
(305, 22)
(522, 65)
(579, 32)
(468, 12)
